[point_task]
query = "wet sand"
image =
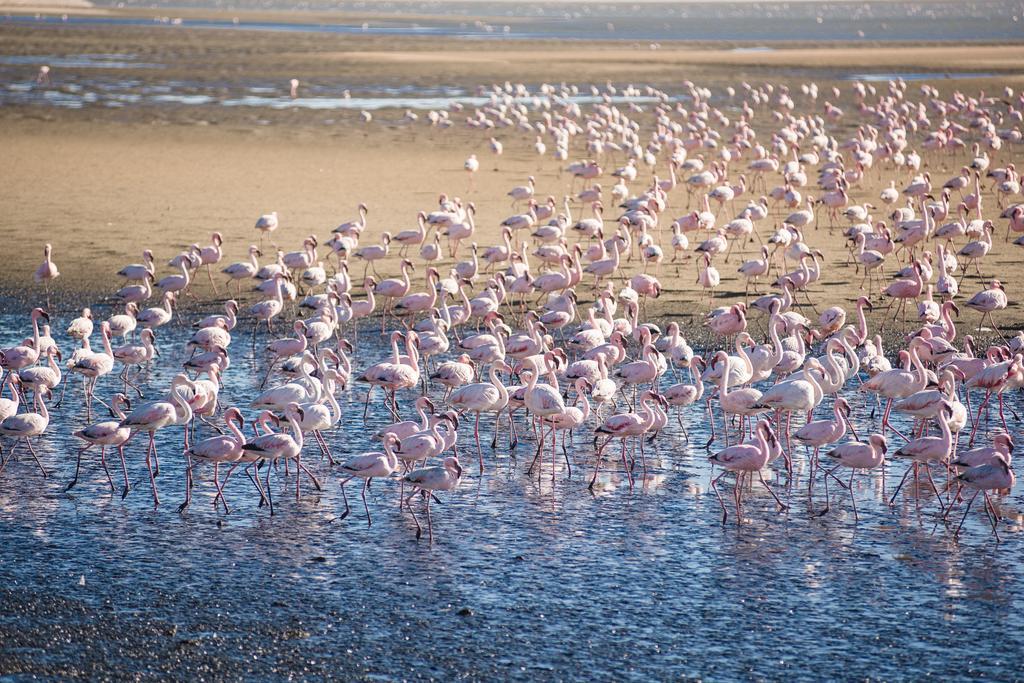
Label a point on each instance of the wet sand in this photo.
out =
(101, 184)
(527, 581)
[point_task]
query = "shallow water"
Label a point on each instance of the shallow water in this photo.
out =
(75, 90)
(936, 20)
(526, 577)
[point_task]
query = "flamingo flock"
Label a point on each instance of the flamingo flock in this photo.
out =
(554, 332)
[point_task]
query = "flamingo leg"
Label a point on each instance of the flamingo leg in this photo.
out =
(188, 484)
(78, 466)
(150, 454)
(964, 518)
(221, 484)
(366, 485)
(476, 435)
(897, 491)
(408, 504)
(270, 497)
(714, 486)
(344, 497)
(625, 466)
(938, 496)
(103, 462)
(782, 506)
(430, 524)
(124, 471)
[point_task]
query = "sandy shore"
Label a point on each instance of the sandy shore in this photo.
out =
(102, 184)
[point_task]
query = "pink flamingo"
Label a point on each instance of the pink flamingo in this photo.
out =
(368, 466)
(491, 397)
(745, 459)
(926, 450)
(354, 227)
(744, 402)
(243, 270)
(898, 383)
(24, 355)
(46, 272)
(42, 378)
(565, 422)
(103, 434)
(856, 455)
(94, 365)
(22, 427)
(1002, 446)
(824, 432)
(154, 416)
(444, 477)
(216, 450)
(995, 476)
(266, 311)
(137, 272)
(995, 379)
(282, 446)
(212, 254)
(267, 224)
(623, 426)
(731, 322)
(988, 300)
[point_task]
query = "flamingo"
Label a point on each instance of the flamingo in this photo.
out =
(825, 432)
(445, 477)
(46, 272)
(898, 383)
(216, 450)
(103, 434)
(368, 466)
(987, 301)
(282, 446)
(137, 272)
(154, 416)
(856, 455)
(266, 311)
(926, 450)
(25, 354)
(177, 282)
(491, 397)
(24, 426)
(42, 378)
(157, 316)
(94, 365)
(267, 224)
(994, 476)
(745, 459)
(623, 426)
(243, 270)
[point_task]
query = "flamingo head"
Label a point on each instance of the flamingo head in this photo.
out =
(296, 410)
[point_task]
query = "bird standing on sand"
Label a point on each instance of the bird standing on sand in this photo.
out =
(46, 272)
(267, 224)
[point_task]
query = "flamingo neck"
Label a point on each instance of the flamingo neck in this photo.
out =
(178, 398)
(296, 431)
(236, 431)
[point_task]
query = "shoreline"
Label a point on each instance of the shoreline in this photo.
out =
(102, 183)
(509, 29)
